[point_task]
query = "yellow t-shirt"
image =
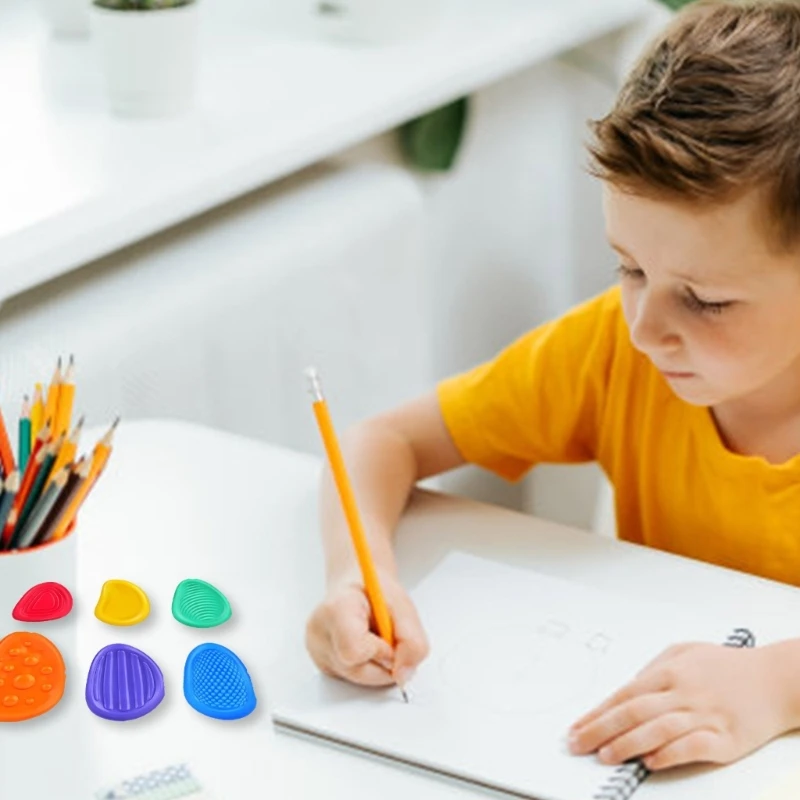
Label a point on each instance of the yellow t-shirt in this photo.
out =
(576, 390)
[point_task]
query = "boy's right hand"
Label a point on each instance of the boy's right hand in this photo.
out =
(340, 641)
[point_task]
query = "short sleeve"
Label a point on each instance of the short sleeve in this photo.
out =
(542, 398)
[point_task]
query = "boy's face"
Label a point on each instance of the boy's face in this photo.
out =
(705, 299)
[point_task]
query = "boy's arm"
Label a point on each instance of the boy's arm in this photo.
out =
(385, 457)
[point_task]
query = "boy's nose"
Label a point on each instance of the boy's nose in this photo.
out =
(651, 331)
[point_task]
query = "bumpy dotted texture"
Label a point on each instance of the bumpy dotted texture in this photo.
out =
(199, 604)
(217, 684)
(32, 676)
(169, 783)
(123, 684)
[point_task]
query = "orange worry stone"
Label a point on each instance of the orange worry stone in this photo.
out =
(32, 676)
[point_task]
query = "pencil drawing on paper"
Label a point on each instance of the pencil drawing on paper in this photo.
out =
(544, 666)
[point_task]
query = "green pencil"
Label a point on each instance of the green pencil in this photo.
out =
(27, 533)
(36, 489)
(24, 450)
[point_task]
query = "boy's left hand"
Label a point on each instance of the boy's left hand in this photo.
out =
(694, 703)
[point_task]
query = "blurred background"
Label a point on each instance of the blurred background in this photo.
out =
(199, 199)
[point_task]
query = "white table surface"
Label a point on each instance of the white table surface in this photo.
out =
(181, 501)
(78, 183)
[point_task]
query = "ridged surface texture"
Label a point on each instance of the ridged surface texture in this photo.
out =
(124, 683)
(200, 604)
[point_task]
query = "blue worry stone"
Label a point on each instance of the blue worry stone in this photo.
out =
(216, 683)
(123, 684)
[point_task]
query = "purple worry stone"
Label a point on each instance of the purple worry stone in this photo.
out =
(123, 684)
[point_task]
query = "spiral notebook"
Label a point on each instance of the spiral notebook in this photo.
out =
(516, 657)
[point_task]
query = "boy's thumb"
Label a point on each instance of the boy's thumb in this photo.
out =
(411, 646)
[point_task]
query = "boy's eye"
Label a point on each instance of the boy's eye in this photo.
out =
(688, 297)
(694, 303)
(629, 272)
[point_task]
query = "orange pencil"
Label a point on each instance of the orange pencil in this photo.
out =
(100, 456)
(66, 396)
(66, 455)
(380, 611)
(6, 452)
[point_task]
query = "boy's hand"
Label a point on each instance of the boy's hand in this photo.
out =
(340, 641)
(694, 703)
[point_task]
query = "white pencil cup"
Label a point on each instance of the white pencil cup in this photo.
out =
(21, 570)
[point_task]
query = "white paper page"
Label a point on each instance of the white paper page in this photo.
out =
(516, 657)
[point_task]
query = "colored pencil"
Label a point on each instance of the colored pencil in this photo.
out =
(6, 453)
(24, 447)
(39, 482)
(100, 456)
(37, 413)
(66, 397)
(380, 610)
(10, 489)
(28, 476)
(68, 450)
(51, 404)
(78, 474)
(28, 530)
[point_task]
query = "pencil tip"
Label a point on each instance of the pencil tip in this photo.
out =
(405, 695)
(314, 385)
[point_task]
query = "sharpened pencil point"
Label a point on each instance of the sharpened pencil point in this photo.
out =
(405, 694)
(314, 385)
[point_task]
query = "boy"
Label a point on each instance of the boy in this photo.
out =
(683, 382)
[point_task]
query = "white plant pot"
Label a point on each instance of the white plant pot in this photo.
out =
(150, 58)
(374, 21)
(67, 17)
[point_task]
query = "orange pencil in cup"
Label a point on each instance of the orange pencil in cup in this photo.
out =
(67, 451)
(100, 455)
(380, 611)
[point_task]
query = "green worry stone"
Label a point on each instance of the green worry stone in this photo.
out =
(199, 604)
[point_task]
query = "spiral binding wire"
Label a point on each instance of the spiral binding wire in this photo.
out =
(628, 777)
(741, 637)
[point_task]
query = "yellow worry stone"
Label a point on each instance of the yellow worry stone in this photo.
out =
(122, 603)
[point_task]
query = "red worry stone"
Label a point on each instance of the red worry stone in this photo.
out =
(43, 602)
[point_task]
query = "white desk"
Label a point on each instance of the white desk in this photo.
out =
(179, 501)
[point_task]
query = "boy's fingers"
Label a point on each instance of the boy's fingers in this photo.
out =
(411, 643)
(354, 644)
(370, 674)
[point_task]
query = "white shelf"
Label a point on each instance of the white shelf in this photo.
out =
(78, 183)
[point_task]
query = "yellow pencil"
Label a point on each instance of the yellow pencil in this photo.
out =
(37, 413)
(66, 395)
(380, 610)
(67, 452)
(51, 404)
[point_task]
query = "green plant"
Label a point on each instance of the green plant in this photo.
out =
(141, 5)
(675, 5)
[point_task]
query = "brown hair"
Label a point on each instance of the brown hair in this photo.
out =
(712, 110)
